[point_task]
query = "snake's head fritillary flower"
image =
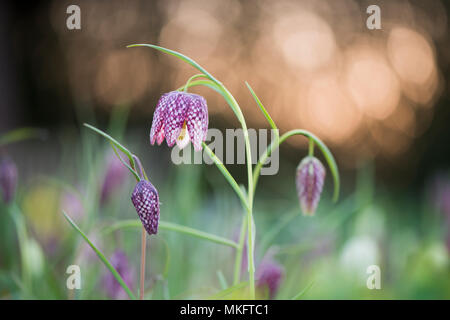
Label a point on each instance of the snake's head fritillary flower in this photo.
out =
(8, 179)
(146, 201)
(309, 181)
(115, 176)
(269, 275)
(114, 290)
(180, 117)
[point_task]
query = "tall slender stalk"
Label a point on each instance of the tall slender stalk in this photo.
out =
(252, 174)
(143, 247)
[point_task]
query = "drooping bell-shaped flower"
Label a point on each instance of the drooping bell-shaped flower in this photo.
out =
(146, 201)
(269, 275)
(8, 179)
(309, 181)
(114, 290)
(180, 117)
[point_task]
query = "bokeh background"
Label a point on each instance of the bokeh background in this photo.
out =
(378, 98)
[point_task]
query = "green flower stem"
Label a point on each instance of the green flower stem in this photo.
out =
(326, 152)
(238, 112)
(240, 248)
(311, 147)
(134, 223)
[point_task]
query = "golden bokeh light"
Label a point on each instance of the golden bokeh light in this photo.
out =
(314, 64)
(370, 82)
(123, 77)
(329, 111)
(305, 39)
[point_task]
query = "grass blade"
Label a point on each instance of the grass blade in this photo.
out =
(135, 223)
(226, 174)
(179, 56)
(102, 258)
(261, 106)
(119, 146)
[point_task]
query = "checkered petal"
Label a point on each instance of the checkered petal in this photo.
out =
(146, 201)
(157, 130)
(197, 121)
(309, 180)
(175, 115)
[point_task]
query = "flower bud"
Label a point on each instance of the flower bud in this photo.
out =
(309, 182)
(8, 179)
(146, 201)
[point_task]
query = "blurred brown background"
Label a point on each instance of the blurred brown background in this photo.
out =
(370, 94)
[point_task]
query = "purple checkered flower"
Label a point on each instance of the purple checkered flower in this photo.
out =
(146, 201)
(309, 181)
(269, 275)
(8, 179)
(180, 117)
(113, 288)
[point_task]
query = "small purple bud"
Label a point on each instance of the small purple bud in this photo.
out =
(8, 179)
(269, 275)
(113, 288)
(309, 181)
(180, 117)
(115, 176)
(146, 201)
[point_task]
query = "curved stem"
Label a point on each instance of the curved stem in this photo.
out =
(238, 112)
(186, 86)
(326, 152)
(311, 147)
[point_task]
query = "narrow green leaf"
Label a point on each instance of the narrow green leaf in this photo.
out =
(226, 174)
(118, 145)
(135, 223)
(261, 106)
(102, 258)
(179, 56)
